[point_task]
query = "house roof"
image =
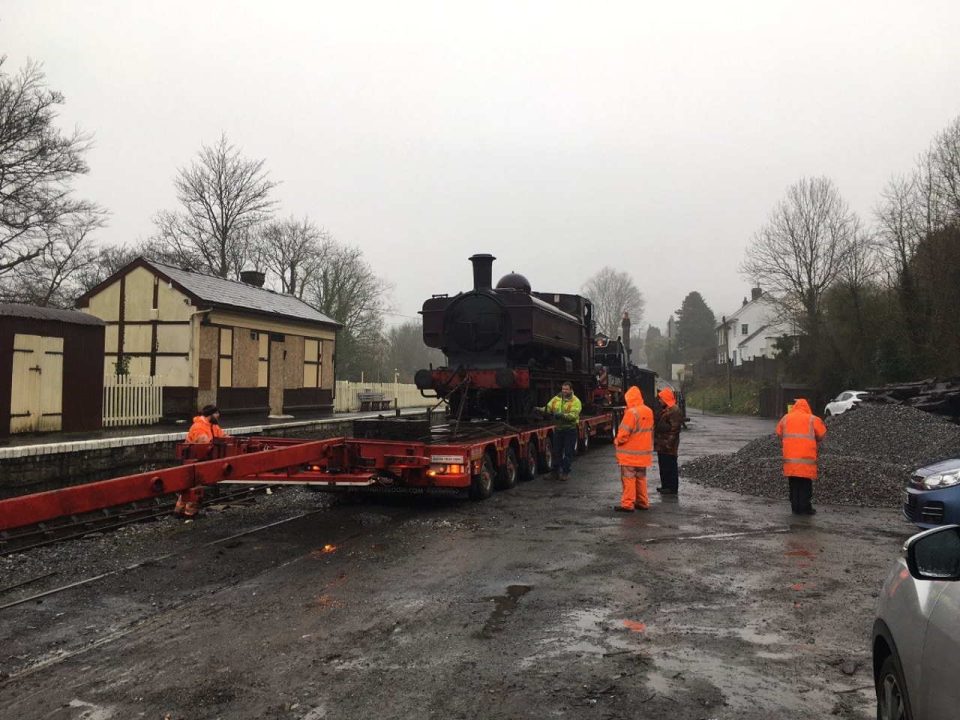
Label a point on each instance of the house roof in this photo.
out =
(218, 292)
(751, 336)
(34, 312)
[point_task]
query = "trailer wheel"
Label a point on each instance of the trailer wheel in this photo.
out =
(583, 444)
(481, 487)
(528, 470)
(507, 477)
(546, 456)
(614, 426)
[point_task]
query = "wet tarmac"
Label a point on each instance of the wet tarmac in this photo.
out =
(540, 602)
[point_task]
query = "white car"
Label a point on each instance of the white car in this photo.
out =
(844, 401)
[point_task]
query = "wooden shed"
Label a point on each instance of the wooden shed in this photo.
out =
(43, 351)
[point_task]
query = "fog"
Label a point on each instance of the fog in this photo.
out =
(560, 137)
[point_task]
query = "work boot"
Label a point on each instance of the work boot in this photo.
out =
(621, 508)
(564, 476)
(554, 474)
(810, 511)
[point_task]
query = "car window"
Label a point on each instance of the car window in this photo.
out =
(843, 396)
(939, 555)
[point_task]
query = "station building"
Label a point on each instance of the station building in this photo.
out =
(209, 340)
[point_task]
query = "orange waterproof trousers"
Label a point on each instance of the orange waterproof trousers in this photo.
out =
(634, 480)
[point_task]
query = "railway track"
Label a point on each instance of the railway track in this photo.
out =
(74, 527)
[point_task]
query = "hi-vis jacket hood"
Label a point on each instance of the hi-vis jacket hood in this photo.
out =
(634, 439)
(634, 397)
(800, 430)
(667, 397)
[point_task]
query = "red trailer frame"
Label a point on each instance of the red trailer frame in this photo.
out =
(477, 465)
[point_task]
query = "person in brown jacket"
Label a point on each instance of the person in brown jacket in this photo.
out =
(666, 441)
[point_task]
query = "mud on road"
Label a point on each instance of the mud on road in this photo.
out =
(540, 602)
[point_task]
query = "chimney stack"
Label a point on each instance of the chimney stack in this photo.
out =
(625, 330)
(755, 293)
(482, 271)
(253, 277)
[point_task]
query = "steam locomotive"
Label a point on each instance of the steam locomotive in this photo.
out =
(509, 349)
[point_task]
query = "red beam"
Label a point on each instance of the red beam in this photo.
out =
(40, 507)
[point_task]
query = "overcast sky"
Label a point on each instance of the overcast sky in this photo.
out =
(655, 137)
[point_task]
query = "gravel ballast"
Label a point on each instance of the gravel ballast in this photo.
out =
(866, 459)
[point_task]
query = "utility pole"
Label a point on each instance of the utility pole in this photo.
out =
(726, 343)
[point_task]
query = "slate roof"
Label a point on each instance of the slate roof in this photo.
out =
(33, 312)
(237, 295)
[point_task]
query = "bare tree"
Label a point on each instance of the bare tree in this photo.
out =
(405, 351)
(225, 196)
(37, 166)
(803, 248)
(54, 278)
(945, 162)
(293, 250)
(347, 289)
(613, 293)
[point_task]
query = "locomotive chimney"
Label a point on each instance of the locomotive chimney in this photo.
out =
(625, 329)
(482, 271)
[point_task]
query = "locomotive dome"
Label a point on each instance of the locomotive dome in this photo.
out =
(514, 281)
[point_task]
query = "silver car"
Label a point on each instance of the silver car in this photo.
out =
(916, 634)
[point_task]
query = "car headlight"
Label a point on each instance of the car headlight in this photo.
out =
(941, 480)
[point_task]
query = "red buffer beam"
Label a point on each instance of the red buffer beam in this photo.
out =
(238, 463)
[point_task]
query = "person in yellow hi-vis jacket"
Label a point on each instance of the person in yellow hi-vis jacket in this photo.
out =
(564, 409)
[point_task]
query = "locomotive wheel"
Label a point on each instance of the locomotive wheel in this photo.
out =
(481, 487)
(529, 469)
(507, 477)
(546, 457)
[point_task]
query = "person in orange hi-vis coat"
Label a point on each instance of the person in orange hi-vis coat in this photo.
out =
(205, 429)
(634, 443)
(801, 432)
(206, 426)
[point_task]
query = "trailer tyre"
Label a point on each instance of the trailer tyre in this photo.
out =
(546, 457)
(481, 486)
(529, 469)
(583, 443)
(507, 477)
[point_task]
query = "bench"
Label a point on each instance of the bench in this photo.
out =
(373, 401)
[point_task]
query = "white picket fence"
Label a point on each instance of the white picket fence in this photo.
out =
(406, 394)
(132, 400)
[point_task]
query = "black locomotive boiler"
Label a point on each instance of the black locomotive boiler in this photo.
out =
(508, 348)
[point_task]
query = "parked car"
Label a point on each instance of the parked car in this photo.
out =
(844, 401)
(916, 633)
(933, 495)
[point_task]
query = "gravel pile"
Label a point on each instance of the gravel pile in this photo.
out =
(866, 458)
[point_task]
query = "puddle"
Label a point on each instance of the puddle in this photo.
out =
(504, 605)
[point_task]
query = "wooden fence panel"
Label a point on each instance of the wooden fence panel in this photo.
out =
(132, 400)
(406, 395)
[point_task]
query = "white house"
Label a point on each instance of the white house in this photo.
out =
(751, 331)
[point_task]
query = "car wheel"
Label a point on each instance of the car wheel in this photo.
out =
(892, 701)
(481, 487)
